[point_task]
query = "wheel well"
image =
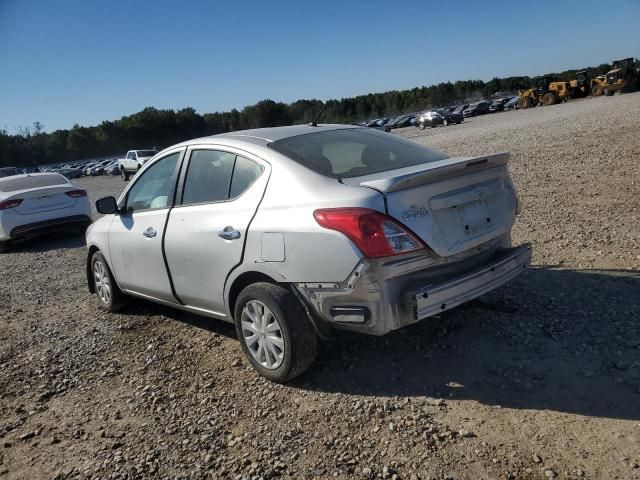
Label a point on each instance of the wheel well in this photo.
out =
(92, 288)
(243, 281)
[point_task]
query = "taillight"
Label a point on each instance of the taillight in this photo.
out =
(10, 204)
(375, 234)
(76, 193)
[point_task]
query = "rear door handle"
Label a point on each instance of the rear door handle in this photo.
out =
(150, 232)
(229, 233)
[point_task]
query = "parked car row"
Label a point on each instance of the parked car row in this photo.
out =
(389, 123)
(456, 114)
(71, 170)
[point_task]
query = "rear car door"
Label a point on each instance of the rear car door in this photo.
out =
(219, 195)
(135, 237)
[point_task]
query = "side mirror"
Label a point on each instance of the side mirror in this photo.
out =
(107, 205)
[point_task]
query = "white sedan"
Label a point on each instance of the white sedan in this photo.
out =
(37, 203)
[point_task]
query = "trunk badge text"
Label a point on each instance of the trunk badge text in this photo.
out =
(414, 212)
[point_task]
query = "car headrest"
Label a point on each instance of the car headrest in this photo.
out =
(374, 157)
(318, 161)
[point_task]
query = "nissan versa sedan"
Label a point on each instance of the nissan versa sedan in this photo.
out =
(36, 203)
(294, 232)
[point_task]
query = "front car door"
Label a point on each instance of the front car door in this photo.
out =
(206, 231)
(135, 238)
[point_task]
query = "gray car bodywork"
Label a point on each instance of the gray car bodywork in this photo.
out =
(280, 240)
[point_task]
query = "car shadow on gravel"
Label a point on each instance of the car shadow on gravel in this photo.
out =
(48, 242)
(144, 308)
(571, 345)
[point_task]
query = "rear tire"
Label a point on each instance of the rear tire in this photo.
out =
(597, 90)
(274, 332)
(421, 125)
(110, 297)
(5, 246)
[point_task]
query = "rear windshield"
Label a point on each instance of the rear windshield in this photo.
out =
(146, 153)
(354, 152)
(12, 184)
(8, 171)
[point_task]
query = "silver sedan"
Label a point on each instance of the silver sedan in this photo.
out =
(293, 232)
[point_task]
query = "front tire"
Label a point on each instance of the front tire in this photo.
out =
(525, 102)
(5, 246)
(124, 175)
(110, 297)
(274, 332)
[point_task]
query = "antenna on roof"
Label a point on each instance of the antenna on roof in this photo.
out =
(314, 122)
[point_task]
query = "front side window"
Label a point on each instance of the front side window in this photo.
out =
(154, 188)
(208, 176)
(354, 152)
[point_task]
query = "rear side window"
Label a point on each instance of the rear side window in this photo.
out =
(215, 176)
(350, 153)
(244, 174)
(208, 176)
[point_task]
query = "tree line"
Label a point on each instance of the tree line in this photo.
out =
(160, 128)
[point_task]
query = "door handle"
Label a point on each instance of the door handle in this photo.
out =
(150, 232)
(229, 233)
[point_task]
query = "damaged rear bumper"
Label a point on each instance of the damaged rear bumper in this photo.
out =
(381, 297)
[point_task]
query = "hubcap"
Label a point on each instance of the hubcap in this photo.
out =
(262, 334)
(101, 279)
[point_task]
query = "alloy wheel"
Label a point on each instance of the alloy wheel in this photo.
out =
(102, 282)
(262, 334)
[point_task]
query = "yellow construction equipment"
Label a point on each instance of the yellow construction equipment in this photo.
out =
(545, 92)
(623, 77)
(580, 85)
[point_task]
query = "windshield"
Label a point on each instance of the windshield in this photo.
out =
(354, 152)
(146, 153)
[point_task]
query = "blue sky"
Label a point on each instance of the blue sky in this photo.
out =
(84, 61)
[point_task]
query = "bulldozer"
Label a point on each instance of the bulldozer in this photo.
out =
(545, 92)
(623, 77)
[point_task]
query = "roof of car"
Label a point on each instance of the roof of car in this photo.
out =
(273, 134)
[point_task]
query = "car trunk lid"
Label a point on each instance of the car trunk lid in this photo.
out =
(44, 200)
(454, 204)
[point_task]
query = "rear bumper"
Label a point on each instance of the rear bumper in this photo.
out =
(47, 226)
(379, 298)
(433, 299)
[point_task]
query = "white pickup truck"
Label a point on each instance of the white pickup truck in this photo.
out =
(133, 162)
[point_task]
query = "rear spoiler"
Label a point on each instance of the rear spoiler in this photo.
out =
(420, 174)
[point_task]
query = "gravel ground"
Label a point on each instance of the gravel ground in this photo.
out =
(547, 387)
